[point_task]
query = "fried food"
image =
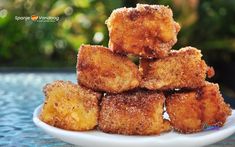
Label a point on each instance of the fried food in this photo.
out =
(184, 112)
(101, 70)
(69, 106)
(214, 110)
(210, 72)
(147, 30)
(133, 113)
(181, 69)
(190, 111)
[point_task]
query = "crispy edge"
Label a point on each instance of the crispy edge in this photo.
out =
(138, 106)
(188, 101)
(214, 110)
(82, 66)
(133, 14)
(87, 105)
(151, 82)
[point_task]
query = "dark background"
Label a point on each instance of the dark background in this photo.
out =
(25, 45)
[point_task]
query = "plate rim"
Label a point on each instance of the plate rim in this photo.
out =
(129, 138)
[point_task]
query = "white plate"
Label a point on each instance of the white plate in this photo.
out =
(100, 139)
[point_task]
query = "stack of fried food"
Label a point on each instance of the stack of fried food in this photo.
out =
(115, 95)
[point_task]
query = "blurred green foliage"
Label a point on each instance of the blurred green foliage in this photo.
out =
(206, 24)
(55, 44)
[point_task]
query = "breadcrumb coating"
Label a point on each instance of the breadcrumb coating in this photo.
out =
(210, 72)
(183, 68)
(133, 98)
(184, 112)
(101, 70)
(147, 30)
(190, 111)
(133, 113)
(69, 106)
(214, 110)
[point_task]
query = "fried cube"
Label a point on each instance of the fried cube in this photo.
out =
(184, 112)
(133, 113)
(214, 110)
(101, 70)
(147, 30)
(181, 69)
(69, 106)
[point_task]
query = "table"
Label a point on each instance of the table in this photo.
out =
(20, 94)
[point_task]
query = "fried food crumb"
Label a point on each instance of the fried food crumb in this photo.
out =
(147, 30)
(183, 68)
(191, 111)
(69, 106)
(184, 112)
(210, 72)
(101, 70)
(133, 113)
(214, 110)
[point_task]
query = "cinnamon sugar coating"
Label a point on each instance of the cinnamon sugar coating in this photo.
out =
(147, 30)
(133, 113)
(183, 68)
(101, 70)
(190, 111)
(215, 110)
(70, 106)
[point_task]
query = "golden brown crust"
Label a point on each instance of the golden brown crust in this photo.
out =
(147, 30)
(70, 106)
(210, 72)
(181, 69)
(184, 112)
(215, 110)
(190, 111)
(133, 113)
(101, 70)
